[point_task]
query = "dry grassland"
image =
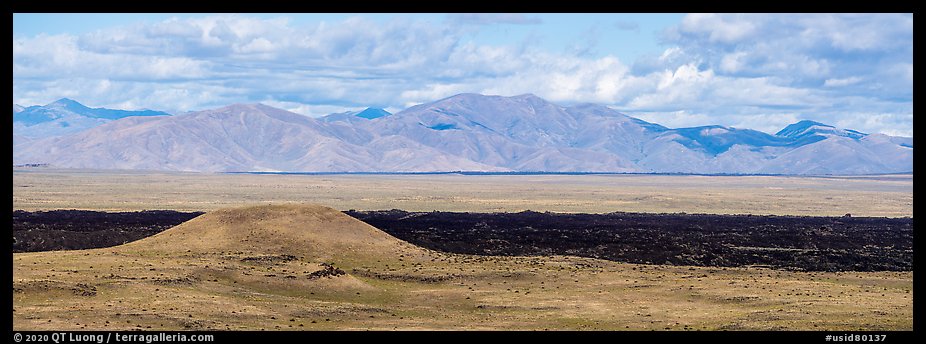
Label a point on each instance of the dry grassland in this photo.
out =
(891, 196)
(262, 268)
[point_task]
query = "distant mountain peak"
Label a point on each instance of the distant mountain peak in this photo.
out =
(481, 101)
(480, 97)
(466, 131)
(369, 113)
(807, 128)
(244, 107)
(65, 100)
(800, 127)
(66, 103)
(65, 116)
(255, 110)
(810, 122)
(469, 95)
(372, 113)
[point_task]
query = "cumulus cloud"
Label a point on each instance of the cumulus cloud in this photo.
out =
(814, 63)
(805, 47)
(53, 57)
(841, 82)
(732, 69)
(718, 28)
(304, 109)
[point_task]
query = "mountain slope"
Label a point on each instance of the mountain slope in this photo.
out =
(843, 155)
(66, 116)
(522, 133)
(240, 137)
(807, 128)
(468, 132)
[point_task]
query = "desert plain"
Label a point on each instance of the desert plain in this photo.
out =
(276, 252)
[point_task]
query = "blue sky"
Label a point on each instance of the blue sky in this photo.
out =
(758, 71)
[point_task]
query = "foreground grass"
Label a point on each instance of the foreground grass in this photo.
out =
(252, 269)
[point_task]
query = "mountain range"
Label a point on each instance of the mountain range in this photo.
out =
(465, 132)
(64, 116)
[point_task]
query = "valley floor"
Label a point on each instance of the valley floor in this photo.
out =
(48, 189)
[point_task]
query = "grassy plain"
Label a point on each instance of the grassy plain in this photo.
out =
(45, 189)
(253, 268)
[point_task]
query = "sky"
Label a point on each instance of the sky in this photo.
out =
(757, 71)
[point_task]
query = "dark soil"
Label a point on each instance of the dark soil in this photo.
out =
(79, 229)
(784, 242)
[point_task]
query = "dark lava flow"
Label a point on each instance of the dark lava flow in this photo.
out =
(782, 242)
(81, 229)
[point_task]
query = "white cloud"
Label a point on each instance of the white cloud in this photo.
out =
(723, 29)
(54, 57)
(858, 32)
(818, 66)
(896, 124)
(733, 62)
(670, 53)
(841, 82)
(676, 89)
(429, 93)
(728, 69)
(306, 109)
(688, 75)
(770, 123)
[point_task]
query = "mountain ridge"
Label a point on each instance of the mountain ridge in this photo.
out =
(464, 132)
(369, 113)
(66, 116)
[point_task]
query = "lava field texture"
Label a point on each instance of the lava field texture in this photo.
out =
(783, 242)
(80, 229)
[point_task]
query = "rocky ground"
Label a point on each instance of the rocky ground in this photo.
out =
(79, 229)
(784, 242)
(294, 267)
(787, 242)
